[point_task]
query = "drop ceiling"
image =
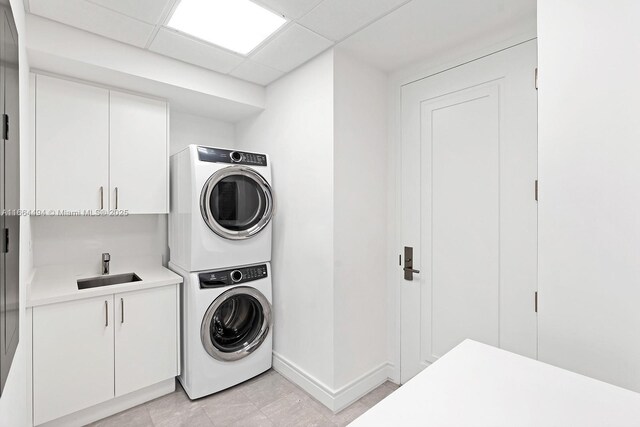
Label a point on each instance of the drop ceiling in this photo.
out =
(312, 27)
(435, 29)
(389, 34)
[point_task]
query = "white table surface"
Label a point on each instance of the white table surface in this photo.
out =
(479, 385)
(58, 283)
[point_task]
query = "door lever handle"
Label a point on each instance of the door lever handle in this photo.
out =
(408, 264)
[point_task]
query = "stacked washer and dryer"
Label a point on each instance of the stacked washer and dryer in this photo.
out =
(220, 243)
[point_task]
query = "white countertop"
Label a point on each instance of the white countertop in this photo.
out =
(52, 284)
(479, 385)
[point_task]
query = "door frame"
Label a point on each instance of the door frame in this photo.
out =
(395, 246)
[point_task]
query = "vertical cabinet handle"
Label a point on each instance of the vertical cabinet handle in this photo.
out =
(116, 197)
(121, 310)
(101, 197)
(106, 314)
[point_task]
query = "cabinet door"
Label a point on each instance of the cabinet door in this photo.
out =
(72, 145)
(139, 157)
(72, 356)
(146, 338)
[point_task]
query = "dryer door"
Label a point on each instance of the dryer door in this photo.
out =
(236, 202)
(236, 324)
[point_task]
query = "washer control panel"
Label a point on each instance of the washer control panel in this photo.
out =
(219, 279)
(219, 155)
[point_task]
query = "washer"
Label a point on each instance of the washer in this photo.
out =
(221, 208)
(226, 331)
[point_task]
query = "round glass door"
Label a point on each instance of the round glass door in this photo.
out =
(236, 323)
(236, 202)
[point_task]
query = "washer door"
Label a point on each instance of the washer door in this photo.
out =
(236, 324)
(236, 202)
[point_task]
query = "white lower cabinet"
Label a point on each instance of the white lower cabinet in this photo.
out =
(146, 346)
(89, 351)
(72, 356)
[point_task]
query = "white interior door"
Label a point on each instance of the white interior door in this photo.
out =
(469, 165)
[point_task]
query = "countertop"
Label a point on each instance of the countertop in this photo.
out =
(58, 283)
(479, 385)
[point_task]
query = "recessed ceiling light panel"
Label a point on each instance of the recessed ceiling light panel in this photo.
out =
(237, 25)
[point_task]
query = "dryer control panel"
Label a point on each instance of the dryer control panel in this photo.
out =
(219, 155)
(219, 279)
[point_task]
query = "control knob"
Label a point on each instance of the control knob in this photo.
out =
(235, 156)
(236, 276)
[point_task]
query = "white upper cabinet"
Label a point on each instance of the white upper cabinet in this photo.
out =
(72, 145)
(138, 152)
(99, 149)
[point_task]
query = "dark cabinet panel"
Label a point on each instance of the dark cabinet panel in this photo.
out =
(9, 192)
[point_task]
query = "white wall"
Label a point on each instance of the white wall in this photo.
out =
(296, 129)
(360, 218)
(589, 171)
(186, 129)
(325, 128)
(13, 403)
(70, 240)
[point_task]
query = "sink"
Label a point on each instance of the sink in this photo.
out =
(116, 279)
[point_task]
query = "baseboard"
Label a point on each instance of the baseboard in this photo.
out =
(394, 373)
(316, 388)
(335, 400)
(362, 385)
(113, 406)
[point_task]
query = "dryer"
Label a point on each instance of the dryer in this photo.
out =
(221, 208)
(226, 331)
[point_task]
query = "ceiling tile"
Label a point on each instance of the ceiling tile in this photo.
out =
(442, 30)
(150, 11)
(291, 48)
(291, 9)
(256, 73)
(336, 19)
(93, 18)
(187, 49)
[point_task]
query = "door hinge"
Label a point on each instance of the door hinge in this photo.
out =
(535, 302)
(400, 260)
(5, 127)
(5, 240)
(535, 191)
(535, 83)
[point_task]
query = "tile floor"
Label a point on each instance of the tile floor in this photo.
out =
(267, 400)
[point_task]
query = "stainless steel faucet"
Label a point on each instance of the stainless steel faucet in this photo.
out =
(105, 262)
